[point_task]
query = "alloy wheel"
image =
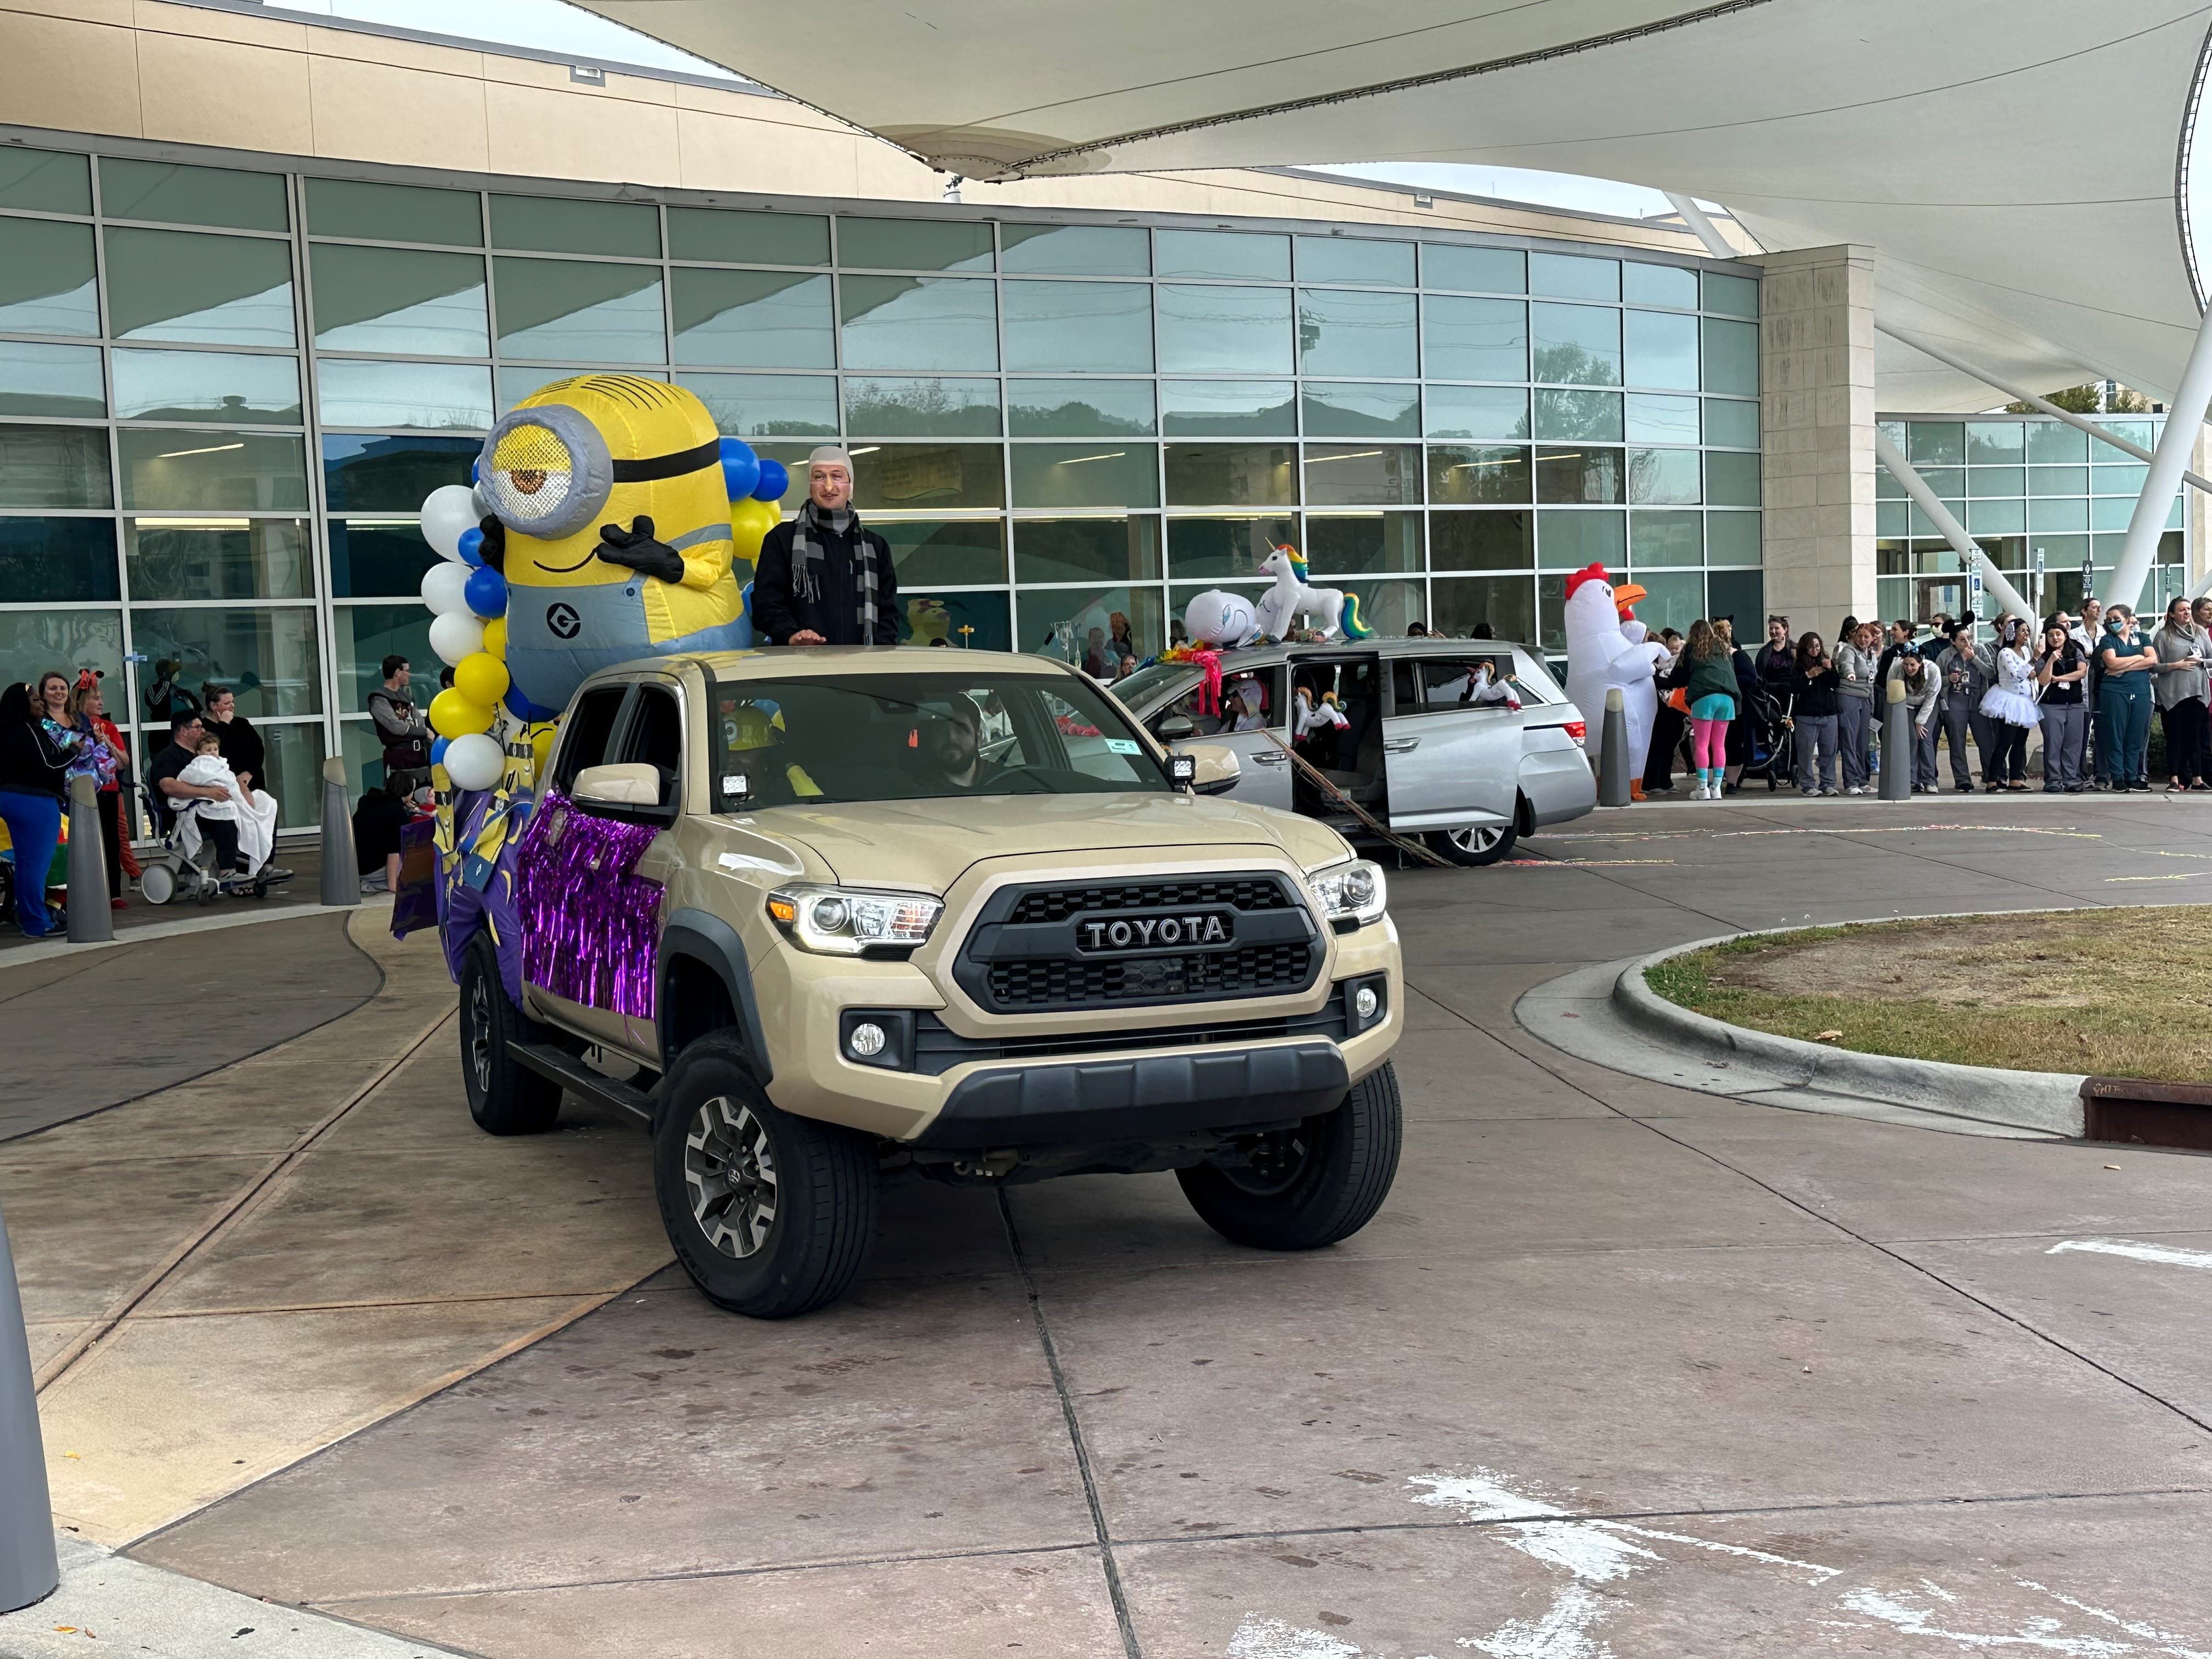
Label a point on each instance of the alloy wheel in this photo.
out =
(1277, 1161)
(480, 1033)
(729, 1169)
(1480, 839)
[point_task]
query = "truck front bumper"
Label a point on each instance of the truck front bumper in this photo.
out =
(1139, 1098)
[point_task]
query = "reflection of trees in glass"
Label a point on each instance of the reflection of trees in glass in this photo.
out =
(1569, 362)
(1563, 414)
(1663, 478)
(922, 407)
(1075, 419)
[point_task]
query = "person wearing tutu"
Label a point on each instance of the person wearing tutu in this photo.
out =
(2011, 706)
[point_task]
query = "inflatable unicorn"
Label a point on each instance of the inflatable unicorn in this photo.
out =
(1281, 606)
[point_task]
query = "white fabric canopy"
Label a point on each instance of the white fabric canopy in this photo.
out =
(2013, 163)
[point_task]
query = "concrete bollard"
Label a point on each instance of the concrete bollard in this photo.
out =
(1897, 745)
(1612, 779)
(341, 880)
(29, 1570)
(90, 917)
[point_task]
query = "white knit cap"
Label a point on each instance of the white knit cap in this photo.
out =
(830, 455)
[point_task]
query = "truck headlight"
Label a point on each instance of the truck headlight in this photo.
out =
(847, 921)
(1352, 894)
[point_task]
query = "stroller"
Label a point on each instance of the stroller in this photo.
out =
(1773, 740)
(169, 870)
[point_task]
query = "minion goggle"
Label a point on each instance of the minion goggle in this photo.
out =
(546, 472)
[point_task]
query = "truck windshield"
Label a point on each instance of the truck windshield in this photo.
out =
(906, 737)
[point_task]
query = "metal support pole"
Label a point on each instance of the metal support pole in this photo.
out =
(1953, 530)
(28, 1570)
(341, 880)
(2102, 435)
(91, 920)
(1701, 226)
(2185, 416)
(1612, 753)
(1897, 745)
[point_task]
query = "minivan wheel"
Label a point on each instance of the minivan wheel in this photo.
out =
(505, 1096)
(771, 1215)
(1312, 1185)
(1482, 844)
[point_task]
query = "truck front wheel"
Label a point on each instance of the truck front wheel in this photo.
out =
(505, 1096)
(770, 1214)
(1309, 1186)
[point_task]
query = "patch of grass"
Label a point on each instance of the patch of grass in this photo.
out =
(2113, 993)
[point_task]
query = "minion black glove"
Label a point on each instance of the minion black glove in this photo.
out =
(636, 548)
(494, 551)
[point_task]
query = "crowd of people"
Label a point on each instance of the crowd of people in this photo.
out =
(205, 782)
(2087, 685)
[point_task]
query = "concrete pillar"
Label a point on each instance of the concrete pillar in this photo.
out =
(1816, 346)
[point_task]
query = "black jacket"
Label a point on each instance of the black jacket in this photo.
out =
(30, 761)
(242, 747)
(1815, 692)
(779, 612)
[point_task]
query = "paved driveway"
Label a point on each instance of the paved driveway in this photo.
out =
(1620, 1370)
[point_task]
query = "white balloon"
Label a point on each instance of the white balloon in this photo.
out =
(454, 635)
(1216, 617)
(445, 589)
(475, 762)
(447, 512)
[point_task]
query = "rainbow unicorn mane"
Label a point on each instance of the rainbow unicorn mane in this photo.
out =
(1298, 561)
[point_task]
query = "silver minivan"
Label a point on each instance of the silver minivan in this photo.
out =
(1415, 748)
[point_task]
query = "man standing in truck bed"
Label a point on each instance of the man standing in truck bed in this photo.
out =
(821, 579)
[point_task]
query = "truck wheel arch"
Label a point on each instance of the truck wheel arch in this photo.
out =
(700, 955)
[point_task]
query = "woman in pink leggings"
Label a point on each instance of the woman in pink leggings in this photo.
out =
(1710, 690)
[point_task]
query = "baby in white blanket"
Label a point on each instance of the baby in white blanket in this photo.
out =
(255, 814)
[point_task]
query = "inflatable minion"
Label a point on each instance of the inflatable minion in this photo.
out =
(611, 524)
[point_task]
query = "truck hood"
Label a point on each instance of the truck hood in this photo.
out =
(929, 844)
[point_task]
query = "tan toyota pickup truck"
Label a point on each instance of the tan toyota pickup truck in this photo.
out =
(840, 914)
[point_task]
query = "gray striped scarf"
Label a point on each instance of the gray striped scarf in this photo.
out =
(808, 556)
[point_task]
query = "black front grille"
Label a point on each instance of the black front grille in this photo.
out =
(1250, 971)
(1242, 893)
(1042, 949)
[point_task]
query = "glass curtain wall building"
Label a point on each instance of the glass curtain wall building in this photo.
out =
(224, 392)
(2024, 486)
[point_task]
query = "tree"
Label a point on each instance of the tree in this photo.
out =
(2074, 399)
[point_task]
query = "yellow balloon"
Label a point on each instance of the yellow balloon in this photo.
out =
(750, 521)
(453, 715)
(481, 679)
(496, 637)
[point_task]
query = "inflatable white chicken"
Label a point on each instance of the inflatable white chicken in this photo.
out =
(1600, 656)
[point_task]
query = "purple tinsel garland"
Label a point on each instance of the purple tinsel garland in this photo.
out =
(590, 927)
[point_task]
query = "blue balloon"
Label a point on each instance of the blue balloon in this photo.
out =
(741, 468)
(438, 747)
(775, 479)
(486, 591)
(523, 709)
(472, 545)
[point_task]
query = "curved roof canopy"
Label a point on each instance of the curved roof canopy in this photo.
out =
(2016, 165)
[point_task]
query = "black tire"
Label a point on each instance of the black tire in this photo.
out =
(1327, 1178)
(505, 1096)
(722, 1151)
(1472, 847)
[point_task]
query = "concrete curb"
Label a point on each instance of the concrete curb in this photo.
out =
(2049, 1101)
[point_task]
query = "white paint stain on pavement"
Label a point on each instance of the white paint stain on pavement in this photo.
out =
(1562, 1631)
(2039, 1635)
(1585, 1552)
(2166, 1254)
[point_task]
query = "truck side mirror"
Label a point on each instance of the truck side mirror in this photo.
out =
(619, 783)
(1174, 728)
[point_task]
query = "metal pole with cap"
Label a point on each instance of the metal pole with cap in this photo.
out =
(1897, 745)
(29, 1570)
(341, 878)
(1612, 753)
(91, 919)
